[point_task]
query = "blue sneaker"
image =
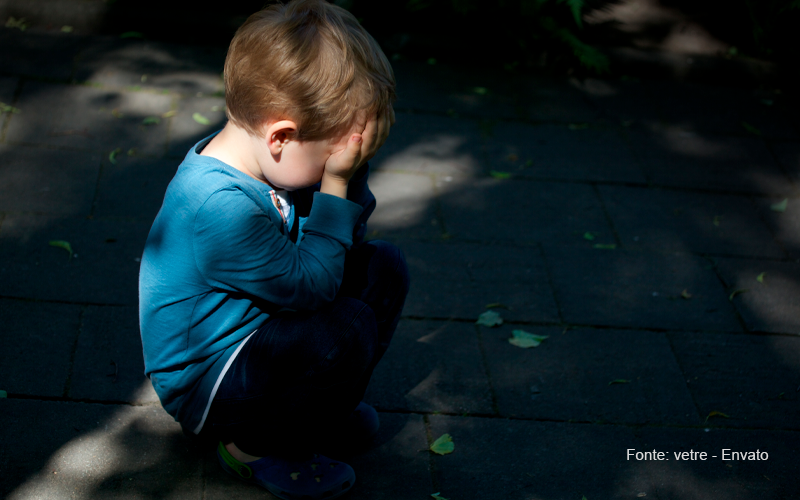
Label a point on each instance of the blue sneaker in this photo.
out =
(316, 478)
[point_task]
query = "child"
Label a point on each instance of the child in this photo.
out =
(262, 311)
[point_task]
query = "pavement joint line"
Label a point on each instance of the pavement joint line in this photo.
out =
(73, 351)
(575, 326)
(487, 371)
(62, 399)
(609, 220)
(551, 284)
(432, 469)
(630, 425)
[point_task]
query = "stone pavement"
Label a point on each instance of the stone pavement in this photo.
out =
(628, 220)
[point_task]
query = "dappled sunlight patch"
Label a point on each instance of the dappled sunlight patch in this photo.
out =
(437, 153)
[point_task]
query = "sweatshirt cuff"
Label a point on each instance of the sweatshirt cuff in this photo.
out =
(333, 217)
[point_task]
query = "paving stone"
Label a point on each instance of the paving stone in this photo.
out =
(185, 131)
(488, 209)
(108, 363)
(640, 290)
(776, 478)
(432, 366)
(621, 102)
(133, 187)
(432, 145)
(769, 306)
(515, 459)
(38, 340)
(552, 99)
(38, 54)
(568, 376)
(85, 117)
(48, 180)
(104, 270)
(723, 110)
(557, 152)
(8, 85)
(659, 219)
(674, 157)
(84, 450)
(788, 154)
(444, 89)
(146, 64)
(406, 206)
(458, 280)
(784, 225)
(752, 379)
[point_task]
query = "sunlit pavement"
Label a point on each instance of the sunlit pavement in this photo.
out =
(649, 229)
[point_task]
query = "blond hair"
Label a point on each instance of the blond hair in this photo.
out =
(308, 61)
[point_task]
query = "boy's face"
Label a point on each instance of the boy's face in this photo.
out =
(301, 164)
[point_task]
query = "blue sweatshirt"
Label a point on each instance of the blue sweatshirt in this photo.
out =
(220, 259)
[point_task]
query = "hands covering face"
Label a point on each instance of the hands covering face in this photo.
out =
(361, 147)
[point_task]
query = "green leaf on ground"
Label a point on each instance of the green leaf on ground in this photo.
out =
(500, 175)
(3, 394)
(716, 414)
(490, 319)
(717, 219)
(753, 130)
(169, 114)
(443, 445)
(760, 277)
(497, 305)
(5, 108)
(112, 156)
(780, 206)
(132, 34)
(294, 476)
(67, 29)
(685, 294)
(431, 61)
(588, 235)
(62, 244)
(151, 120)
(736, 292)
(619, 381)
(201, 119)
(525, 339)
(604, 246)
(480, 90)
(437, 496)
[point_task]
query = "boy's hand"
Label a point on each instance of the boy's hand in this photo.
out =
(342, 165)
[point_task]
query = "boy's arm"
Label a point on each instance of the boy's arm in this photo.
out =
(239, 249)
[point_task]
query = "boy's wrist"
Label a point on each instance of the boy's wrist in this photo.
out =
(334, 185)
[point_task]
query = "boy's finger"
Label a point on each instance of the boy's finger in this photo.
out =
(370, 136)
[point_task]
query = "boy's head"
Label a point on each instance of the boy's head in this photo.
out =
(310, 62)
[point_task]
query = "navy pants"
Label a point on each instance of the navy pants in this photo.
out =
(301, 374)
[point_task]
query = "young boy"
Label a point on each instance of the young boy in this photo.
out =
(262, 311)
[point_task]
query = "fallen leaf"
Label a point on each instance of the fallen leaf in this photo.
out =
(117, 113)
(3, 394)
(780, 206)
(605, 246)
(169, 114)
(500, 175)
(753, 130)
(431, 61)
(512, 157)
(132, 152)
(619, 381)
(21, 23)
(67, 29)
(438, 497)
(588, 236)
(201, 119)
(685, 294)
(5, 108)
(760, 277)
(132, 34)
(294, 475)
(494, 305)
(443, 445)
(717, 218)
(525, 339)
(151, 120)
(716, 414)
(112, 156)
(62, 244)
(480, 90)
(490, 319)
(736, 292)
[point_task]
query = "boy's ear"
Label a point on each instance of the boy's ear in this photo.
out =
(278, 134)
